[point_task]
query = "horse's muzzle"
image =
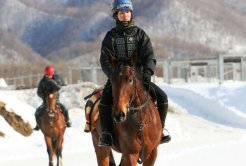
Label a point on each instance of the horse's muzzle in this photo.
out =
(120, 117)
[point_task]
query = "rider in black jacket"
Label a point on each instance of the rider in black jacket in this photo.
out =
(46, 83)
(122, 41)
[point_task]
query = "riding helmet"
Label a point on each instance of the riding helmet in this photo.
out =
(122, 5)
(49, 71)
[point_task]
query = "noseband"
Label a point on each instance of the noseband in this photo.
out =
(51, 112)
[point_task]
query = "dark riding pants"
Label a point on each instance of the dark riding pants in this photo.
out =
(162, 102)
(105, 107)
(157, 93)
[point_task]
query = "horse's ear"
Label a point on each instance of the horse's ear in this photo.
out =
(133, 59)
(112, 60)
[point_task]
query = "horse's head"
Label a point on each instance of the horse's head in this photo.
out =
(50, 100)
(123, 80)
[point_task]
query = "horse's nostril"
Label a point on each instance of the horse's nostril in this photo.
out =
(122, 114)
(119, 117)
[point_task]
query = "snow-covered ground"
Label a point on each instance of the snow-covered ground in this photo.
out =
(208, 127)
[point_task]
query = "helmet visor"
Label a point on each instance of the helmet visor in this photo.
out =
(124, 6)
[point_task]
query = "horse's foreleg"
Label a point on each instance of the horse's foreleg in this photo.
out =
(49, 150)
(59, 150)
(129, 160)
(50, 154)
(59, 160)
(102, 153)
(51, 163)
(150, 161)
(59, 157)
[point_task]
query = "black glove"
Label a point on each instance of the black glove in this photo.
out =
(52, 85)
(147, 79)
(147, 76)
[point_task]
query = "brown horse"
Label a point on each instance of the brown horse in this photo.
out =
(136, 123)
(53, 127)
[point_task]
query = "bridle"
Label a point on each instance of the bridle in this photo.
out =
(130, 105)
(51, 111)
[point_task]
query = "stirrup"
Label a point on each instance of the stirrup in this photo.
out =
(105, 140)
(36, 128)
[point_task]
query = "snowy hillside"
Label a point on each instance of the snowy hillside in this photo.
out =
(207, 123)
(51, 27)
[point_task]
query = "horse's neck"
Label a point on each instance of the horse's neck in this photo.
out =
(142, 101)
(141, 95)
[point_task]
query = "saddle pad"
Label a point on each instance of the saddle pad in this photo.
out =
(92, 111)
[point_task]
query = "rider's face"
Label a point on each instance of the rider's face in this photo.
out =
(124, 15)
(48, 76)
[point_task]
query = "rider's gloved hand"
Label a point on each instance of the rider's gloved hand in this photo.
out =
(147, 78)
(53, 85)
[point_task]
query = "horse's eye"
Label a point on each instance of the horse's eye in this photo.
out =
(130, 80)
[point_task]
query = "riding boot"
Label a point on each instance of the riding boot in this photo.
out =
(65, 113)
(67, 119)
(105, 120)
(38, 121)
(162, 109)
(38, 117)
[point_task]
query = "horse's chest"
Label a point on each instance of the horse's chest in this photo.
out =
(128, 138)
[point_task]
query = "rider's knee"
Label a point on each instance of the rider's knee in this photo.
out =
(39, 110)
(62, 106)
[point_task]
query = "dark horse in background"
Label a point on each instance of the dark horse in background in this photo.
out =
(53, 127)
(136, 123)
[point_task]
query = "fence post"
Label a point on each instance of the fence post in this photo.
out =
(94, 74)
(221, 68)
(243, 68)
(38, 79)
(165, 71)
(186, 74)
(169, 66)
